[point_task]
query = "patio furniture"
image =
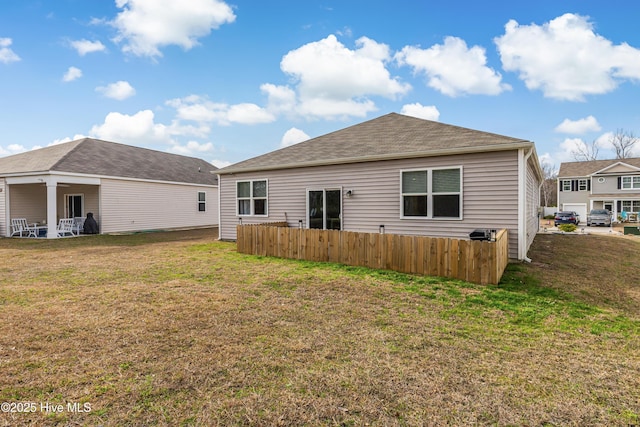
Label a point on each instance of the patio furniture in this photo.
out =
(21, 227)
(78, 224)
(633, 217)
(65, 226)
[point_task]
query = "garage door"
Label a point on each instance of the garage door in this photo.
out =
(580, 208)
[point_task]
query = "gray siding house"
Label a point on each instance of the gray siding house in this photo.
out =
(412, 176)
(126, 188)
(600, 184)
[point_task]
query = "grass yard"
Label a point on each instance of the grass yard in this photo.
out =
(178, 329)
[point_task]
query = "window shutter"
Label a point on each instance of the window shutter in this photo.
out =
(619, 184)
(574, 185)
(619, 204)
(561, 185)
(588, 185)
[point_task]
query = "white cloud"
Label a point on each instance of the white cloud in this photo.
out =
(546, 159)
(72, 74)
(199, 109)
(565, 58)
(281, 99)
(454, 69)
(12, 149)
(139, 128)
(191, 148)
(119, 90)
(6, 54)
(333, 80)
(580, 126)
(568, 147)
(86, 46)
(605, 149)
(65, 139)
(145, 26)
(428, 112)
(220, 163)
(248, 114)
(332, 108)
(293, 136)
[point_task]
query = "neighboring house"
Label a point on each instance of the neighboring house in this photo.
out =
(600, 184)
(412, 176)
(126, 188)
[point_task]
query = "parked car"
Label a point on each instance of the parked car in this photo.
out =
(566, 217)
(599, 217)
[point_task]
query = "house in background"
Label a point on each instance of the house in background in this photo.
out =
(600, 184)
(412, 176)
(126, 188)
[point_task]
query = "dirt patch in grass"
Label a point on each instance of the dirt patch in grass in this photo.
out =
(601, 270)
(179, 329)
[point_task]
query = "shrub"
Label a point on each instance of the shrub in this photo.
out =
(549, 217)
(567, 228)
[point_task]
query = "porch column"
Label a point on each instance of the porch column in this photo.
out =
(52, 210)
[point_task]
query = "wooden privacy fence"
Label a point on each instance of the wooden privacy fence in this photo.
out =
(470, 260)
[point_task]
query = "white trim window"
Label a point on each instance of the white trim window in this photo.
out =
(566, 185)
(582, 185)
(202, 201)
(431, 193)
(631, 182)
(631, 205)
(251, 197)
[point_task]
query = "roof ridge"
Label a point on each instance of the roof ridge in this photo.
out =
(60, 159)
(141, 148)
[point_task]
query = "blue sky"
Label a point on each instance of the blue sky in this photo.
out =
(225, 81)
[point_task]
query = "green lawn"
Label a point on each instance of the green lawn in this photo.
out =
(179, 329)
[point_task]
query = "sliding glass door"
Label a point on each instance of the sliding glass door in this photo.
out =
(324, 209)
(73, 205)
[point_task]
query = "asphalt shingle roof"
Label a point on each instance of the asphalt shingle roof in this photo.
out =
(392, 136)
(96, 157)
(576, 169)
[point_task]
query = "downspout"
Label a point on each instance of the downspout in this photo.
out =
(540, 192)
(522, 214)
(219, 210)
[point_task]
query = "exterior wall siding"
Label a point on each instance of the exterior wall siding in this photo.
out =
(532, 205)
(134, 206)
(4, 221)
(609, 186)
(573, 196)
(28, 201)
(489, 189)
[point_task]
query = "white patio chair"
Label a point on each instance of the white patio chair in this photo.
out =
(78, 224)
(65, 226)
(21, 227)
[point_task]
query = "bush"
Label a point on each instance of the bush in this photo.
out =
(549, 217)
(567, 228)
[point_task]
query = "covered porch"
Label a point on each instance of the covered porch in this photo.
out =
(623, 209)
(45, 199)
